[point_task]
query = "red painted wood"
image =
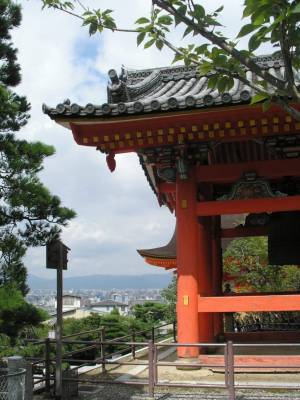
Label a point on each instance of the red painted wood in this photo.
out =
(217, 271)
(209, 208)
(88, 129)
(187, 266)
(205, 277)
(264, 337)
(244, 231)
(226, 173)
(278, 302)
(165, 187)
(257, 363)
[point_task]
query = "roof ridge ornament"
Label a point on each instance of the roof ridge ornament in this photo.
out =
(165, 89)
(113, 76)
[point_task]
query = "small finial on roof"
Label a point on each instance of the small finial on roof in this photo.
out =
(113, 76)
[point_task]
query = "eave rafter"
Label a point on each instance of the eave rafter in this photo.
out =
(121, 135)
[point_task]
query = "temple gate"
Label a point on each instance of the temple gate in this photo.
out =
(205, 155)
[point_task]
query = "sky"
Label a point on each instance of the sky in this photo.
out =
(117, 213)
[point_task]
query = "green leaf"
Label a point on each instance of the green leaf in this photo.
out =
(165, 20)
(259, 19)
(149, 44)
(199, 12)
(266, 105)
(182, 11)
(140, 38)
(178, 57)
(254, 42)
(142, 20)
(201, 49)
(218, 10)
(211, 21)
(246, 29)
(296, 9)
(212, 82)
(223, 84)
(108, 11)
(205, 68)
(93, 29)
(258, 97)
(159, 44)
(188, 30)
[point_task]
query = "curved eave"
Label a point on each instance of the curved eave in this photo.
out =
(166, 263)
(69, 116)
(165, 256)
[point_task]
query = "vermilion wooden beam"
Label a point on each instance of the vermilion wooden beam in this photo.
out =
(225, 173)
(278, 302)
(244, 231)
(165, 187)
(209, 208)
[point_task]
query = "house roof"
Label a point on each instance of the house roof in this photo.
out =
(72, 295)
(108, 303)
(163, 89)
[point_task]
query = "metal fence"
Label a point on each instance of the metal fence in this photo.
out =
(229, 366)
(12, 384)
(152, 347)
(105, 350)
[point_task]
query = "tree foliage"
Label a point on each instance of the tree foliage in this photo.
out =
(16, 314)
(29, 214)
(275, 22)
(115, 325)
(169, 294)
(247, 259)
(150, 312)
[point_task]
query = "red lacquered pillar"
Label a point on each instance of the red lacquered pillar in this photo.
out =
(187, 265)
(205, 278)
(217, 271)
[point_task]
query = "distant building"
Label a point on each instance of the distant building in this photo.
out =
(120, 297)
(76, 313)
(70, 302)
(106, 306)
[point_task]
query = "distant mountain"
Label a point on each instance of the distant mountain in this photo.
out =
(152, 281)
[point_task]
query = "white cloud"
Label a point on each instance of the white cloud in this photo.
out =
(118, 212)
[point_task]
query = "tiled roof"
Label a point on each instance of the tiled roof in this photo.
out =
(165, 252)
(108, 303)
(163, 89)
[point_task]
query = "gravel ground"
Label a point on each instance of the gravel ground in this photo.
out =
(124, 392)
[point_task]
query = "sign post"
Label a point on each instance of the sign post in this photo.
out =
(56, 255)
(58, 333)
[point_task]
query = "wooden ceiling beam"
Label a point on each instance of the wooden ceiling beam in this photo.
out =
(254, 303)
(227, 173)
(230, 207)
(244, 231)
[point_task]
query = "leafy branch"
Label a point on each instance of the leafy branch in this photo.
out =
(271, 21)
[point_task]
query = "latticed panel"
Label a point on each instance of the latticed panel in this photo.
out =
(12, 385)
(3, 386)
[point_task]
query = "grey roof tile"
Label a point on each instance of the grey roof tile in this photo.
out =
(163, 89)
